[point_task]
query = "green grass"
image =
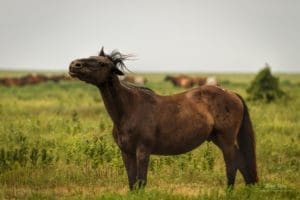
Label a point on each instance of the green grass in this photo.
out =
(56, 142)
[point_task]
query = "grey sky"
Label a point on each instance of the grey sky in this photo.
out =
(175, 35)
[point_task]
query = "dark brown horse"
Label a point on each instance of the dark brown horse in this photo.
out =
(146, 123)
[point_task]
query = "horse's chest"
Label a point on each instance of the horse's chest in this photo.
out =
(126, 142)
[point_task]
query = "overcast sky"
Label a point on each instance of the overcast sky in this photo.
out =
(174, 35)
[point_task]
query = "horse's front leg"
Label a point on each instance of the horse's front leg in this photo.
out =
(131, 168)
(142, 156)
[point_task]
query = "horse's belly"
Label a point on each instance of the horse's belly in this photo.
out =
(178, 143)
(183, 131)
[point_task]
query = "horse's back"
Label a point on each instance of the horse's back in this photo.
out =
(225, 106)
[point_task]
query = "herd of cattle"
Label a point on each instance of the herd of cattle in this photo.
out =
(183, 81)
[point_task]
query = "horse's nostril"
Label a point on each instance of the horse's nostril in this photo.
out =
(77, 65)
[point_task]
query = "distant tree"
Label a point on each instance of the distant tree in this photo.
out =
(265, 86)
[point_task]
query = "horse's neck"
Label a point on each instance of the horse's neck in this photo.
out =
(116, 99)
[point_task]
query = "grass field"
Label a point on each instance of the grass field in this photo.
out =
(56, 143)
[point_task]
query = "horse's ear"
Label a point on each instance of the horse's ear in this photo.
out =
(102, 52)
(116, 71)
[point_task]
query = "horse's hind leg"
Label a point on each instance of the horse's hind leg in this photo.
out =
(242, 166)
(228, 149)
(233, 158)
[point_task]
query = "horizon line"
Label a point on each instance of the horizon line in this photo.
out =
(155, 71)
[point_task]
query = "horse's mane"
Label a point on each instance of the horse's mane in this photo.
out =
(118, 59)
(141, 88)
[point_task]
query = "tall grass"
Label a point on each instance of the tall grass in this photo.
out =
(56, 142)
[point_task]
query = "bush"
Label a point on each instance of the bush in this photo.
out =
(265, 86)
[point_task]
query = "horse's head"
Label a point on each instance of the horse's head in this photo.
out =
(98, 69)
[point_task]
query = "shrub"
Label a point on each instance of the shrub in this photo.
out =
(265, 86)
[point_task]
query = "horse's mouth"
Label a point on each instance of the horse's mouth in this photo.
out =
(79, 76)
(73, 74)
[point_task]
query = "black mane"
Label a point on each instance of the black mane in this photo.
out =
(133, 86)
(118, 59)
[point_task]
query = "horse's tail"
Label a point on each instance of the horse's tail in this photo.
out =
(246, 143)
